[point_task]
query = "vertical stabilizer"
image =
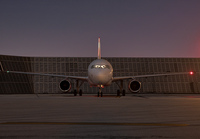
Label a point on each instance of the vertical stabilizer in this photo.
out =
(99, 49)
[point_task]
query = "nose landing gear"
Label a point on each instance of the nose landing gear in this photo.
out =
(100, 92)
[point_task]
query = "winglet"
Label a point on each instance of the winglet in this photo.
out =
(99, 49)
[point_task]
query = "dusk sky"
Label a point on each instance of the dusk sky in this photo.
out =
(127, 28)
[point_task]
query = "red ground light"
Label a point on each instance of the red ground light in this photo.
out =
(191, 72)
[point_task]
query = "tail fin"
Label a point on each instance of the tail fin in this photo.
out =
(99, 49)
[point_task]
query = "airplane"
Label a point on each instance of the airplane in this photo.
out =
(100, 74)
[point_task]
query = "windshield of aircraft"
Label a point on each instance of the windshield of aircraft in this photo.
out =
(100, 67)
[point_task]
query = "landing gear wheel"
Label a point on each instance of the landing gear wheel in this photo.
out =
(118, 93)
(80, 93)
(75, 93)
(123, 93)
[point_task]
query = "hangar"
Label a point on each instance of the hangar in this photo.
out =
(77, 66)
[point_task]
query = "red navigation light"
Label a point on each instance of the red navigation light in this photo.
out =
(191, 72)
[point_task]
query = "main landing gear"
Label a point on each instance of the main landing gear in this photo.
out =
(121, 91)
(80, 92)
(77, 91)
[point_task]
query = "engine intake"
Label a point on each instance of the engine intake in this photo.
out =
(134, 86)
(65, 86)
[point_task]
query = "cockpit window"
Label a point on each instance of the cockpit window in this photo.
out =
(100, 67)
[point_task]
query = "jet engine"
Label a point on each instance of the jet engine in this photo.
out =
(65, 86)
(134, 86)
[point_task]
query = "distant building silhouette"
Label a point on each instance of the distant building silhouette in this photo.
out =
(22, 84)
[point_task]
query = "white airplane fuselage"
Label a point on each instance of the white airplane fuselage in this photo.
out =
(100, 73)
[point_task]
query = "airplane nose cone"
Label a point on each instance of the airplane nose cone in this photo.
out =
(102, 78)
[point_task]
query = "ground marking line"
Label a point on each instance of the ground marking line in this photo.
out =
(91, 123)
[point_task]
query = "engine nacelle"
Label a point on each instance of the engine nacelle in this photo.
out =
(134, 86)
(65, 86)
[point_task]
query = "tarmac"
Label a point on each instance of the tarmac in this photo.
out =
(139, 116)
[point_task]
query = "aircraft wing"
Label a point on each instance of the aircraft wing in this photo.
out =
(151, 75)
(51, 75)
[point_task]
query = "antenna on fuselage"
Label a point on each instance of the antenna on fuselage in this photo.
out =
(99, 49)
